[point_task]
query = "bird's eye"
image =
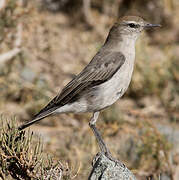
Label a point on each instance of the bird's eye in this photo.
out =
(132, 25)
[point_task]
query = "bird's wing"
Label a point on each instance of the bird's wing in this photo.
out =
(101, 68)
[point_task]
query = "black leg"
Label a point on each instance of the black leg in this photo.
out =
(99, 139)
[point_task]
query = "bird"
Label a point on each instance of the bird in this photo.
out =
(104, 80)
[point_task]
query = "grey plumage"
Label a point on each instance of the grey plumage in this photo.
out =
(104, 80)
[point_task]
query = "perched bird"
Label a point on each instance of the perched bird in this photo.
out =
(104, 80)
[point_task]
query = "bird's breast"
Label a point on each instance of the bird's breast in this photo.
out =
(109, 92)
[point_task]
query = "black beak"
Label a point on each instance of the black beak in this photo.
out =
(148, 25)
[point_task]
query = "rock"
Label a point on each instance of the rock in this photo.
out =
(105, 169)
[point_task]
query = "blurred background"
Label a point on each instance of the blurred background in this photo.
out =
(44, 43)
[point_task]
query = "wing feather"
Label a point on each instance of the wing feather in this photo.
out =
(101, 68)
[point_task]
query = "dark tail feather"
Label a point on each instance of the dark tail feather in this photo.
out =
(23, 126)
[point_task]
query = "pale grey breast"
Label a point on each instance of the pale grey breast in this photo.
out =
(110, 91)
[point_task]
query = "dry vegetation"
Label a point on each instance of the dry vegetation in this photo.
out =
(21, 156)
(51, 45)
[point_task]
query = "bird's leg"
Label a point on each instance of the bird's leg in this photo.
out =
(100, 141)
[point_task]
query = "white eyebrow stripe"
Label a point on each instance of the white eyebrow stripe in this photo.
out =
(134, 22)
(126, 23)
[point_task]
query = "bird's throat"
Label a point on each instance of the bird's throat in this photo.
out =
(123, 44)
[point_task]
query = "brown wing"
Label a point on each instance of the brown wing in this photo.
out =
(101, 68)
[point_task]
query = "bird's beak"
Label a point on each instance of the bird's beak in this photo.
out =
(149, 25)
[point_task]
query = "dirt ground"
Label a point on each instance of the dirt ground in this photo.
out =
(141, 129)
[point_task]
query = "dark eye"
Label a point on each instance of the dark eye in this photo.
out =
(132, 25)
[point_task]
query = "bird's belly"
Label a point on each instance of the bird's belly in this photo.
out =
(109, 92)
(101, 96)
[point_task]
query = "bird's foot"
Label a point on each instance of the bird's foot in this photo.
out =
(110, 157)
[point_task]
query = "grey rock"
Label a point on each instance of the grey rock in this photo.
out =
(106, 169)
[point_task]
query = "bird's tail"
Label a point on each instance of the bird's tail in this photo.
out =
(23, 126)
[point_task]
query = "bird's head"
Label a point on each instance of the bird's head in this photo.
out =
(131, 26)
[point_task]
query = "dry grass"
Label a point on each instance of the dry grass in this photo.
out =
(22, 157)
